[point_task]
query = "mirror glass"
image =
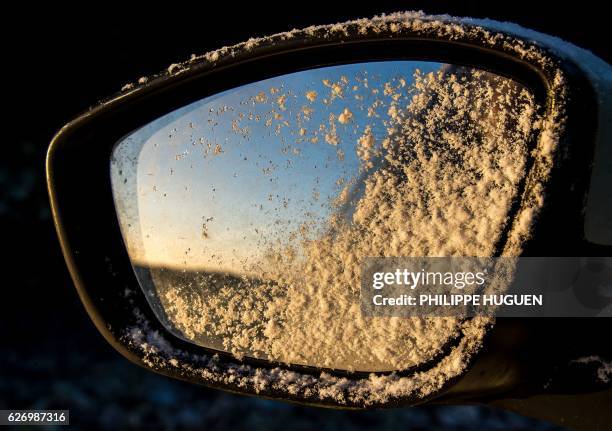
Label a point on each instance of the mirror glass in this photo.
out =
(247, 214)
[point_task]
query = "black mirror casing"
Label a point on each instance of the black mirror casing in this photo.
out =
(515, 360)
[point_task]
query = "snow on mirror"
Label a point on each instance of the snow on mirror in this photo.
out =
(247, 214)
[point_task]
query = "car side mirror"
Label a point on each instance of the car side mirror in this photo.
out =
(215, 217)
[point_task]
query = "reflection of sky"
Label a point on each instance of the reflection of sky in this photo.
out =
(250, 188)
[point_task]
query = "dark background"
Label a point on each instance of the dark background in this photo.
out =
(58, 63)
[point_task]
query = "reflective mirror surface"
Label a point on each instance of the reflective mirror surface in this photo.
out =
(248, 213)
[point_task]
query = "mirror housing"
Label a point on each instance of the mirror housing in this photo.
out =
(529, 361)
